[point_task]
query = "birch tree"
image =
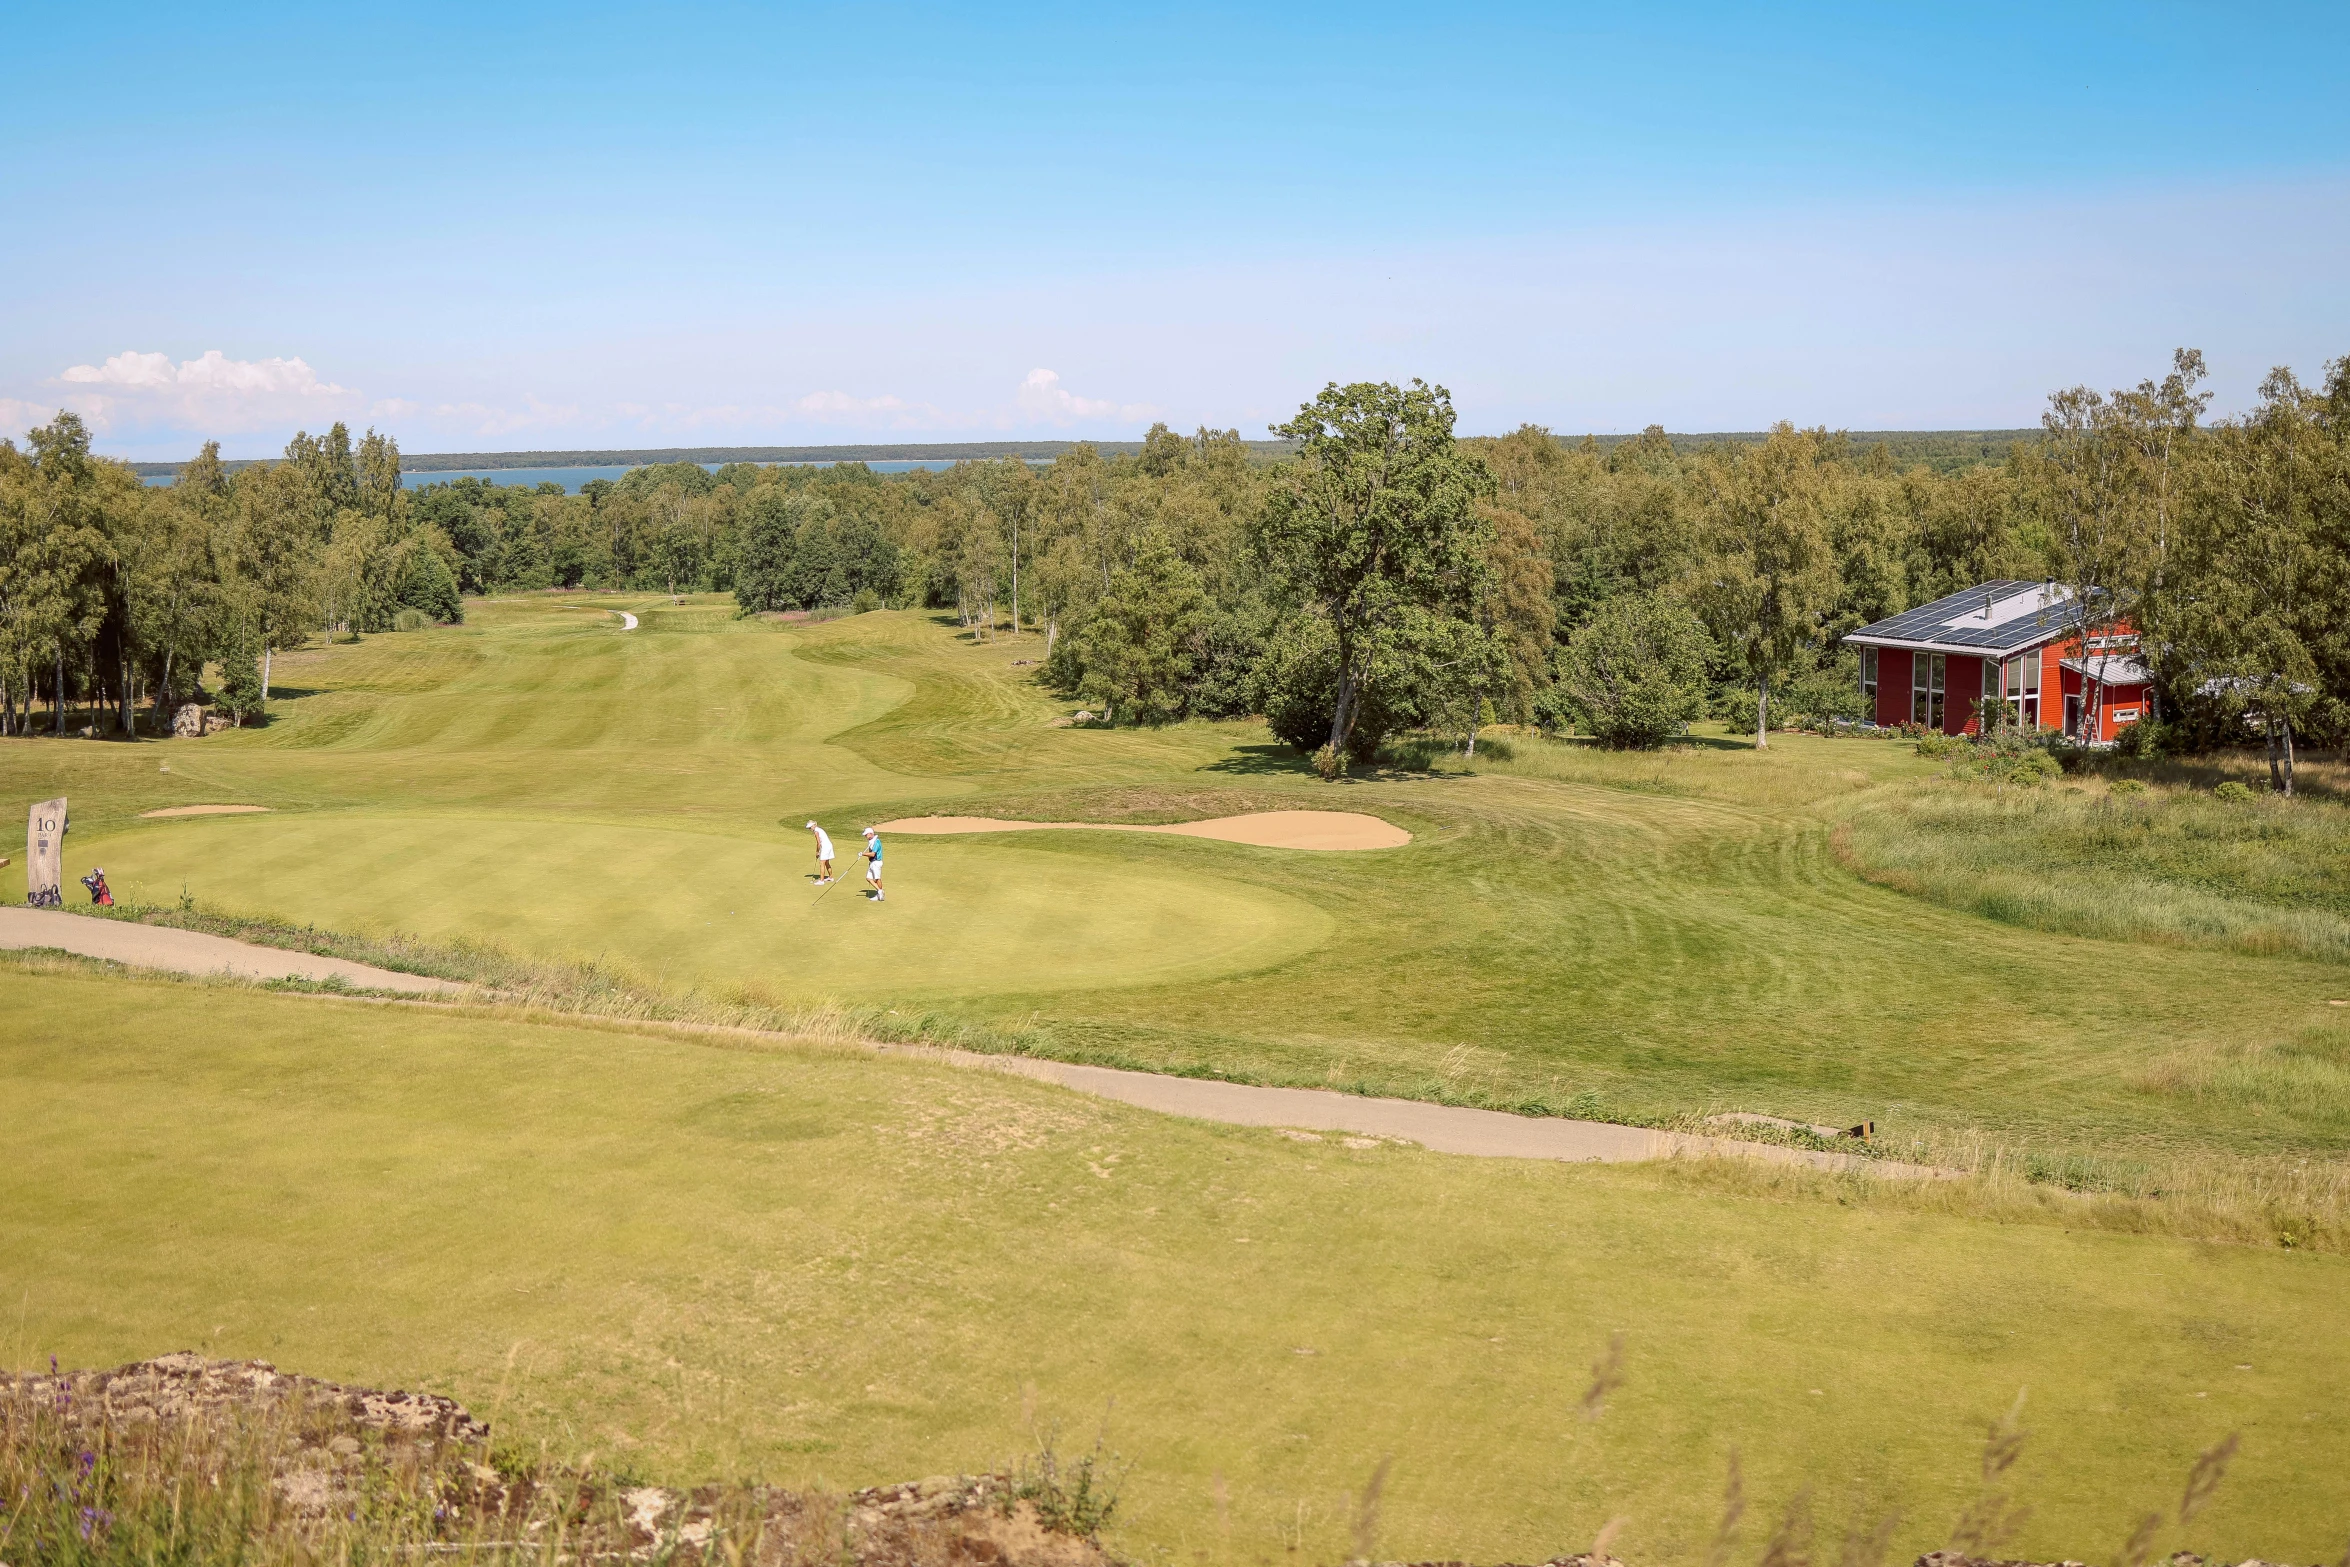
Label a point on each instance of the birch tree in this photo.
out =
(1769, 572)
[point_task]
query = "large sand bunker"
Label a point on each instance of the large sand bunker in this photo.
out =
(207, 810)
(1265, 829)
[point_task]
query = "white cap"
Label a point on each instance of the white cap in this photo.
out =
(811, 824)
(868, 832)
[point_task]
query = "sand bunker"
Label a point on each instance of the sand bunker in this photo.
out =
(1264, 829)
(206, 810)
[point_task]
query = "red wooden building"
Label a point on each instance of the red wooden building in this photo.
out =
(2006, 642)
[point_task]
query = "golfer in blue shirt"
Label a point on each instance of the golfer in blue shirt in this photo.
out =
(872, 858)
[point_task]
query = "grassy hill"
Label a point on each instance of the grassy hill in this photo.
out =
(715, 1255)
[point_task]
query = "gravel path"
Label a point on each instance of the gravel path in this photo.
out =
(193, 952)
(627, 621)
(1489, 1134)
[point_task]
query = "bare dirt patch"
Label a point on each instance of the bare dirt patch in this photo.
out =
(206, 810)
(1320, 830)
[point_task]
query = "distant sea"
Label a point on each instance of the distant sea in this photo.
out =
(573, 478)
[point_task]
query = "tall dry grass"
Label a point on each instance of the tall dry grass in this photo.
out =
(2166, 863)
(2296, 1203)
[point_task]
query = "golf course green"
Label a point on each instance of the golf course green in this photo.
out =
(702, 1255)
(701, 907)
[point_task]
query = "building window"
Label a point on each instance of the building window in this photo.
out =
(1926, 677)
(1868, 673)
(2023, 688)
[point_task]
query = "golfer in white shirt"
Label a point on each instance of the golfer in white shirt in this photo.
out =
(823, 855)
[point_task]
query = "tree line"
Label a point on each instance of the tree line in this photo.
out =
(1388, 576)
(114, 593)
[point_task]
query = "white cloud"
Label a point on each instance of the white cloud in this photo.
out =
(17, 416)
(213, 393)
(484, 419)
(1042, 396)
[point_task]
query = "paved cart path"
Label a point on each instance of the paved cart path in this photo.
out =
(1490, 1134)
(193, 952)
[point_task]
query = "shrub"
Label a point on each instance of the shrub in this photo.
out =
(2128, 786)
(411, 620)
(2231, 790)
(1076, 1499)
(1824, 695)
(1634, 674)
(2143, 740)
(2029, 768)
(240, 685)
(2005, 756)
(428, 587)
(865, 602)
(1739, 707)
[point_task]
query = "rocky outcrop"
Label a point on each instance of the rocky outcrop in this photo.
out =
(329, 1458)
(188, 1387)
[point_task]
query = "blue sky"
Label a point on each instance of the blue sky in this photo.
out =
(508, 227)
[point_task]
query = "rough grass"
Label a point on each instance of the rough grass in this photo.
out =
(2164, 864)
(711, 1259)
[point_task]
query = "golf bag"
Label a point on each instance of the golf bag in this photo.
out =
(99, 892)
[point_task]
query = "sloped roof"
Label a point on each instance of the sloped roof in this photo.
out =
(2112, 669)
(1990, 617)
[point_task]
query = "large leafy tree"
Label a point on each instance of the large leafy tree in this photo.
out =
(62, 551)
(2104, 483)
(1769, 572)
(269, 557)
(1376, 532)
(2255, 587)
(1634, 674)
(1141, 647)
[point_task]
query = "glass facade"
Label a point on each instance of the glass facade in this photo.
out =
(1927, 674)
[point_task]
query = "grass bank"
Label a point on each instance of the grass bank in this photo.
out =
(806, 1265)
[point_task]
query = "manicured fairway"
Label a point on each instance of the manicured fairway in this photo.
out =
(1650, 934)
(698, 1259)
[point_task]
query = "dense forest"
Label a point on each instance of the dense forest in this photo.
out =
(1385, 577)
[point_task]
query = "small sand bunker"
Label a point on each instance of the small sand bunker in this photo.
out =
(1264, 829)
(207, 810)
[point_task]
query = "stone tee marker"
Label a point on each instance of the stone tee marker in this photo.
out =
(44, 854)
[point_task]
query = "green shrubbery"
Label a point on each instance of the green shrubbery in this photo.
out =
(1634, 675)
(240, 685)
(2002, 756)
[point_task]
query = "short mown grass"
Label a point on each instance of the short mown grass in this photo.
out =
(699, 1259)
